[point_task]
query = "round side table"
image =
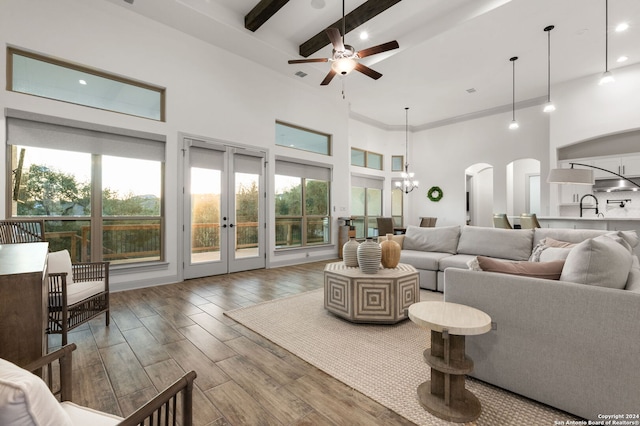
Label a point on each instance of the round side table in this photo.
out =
(445, 395)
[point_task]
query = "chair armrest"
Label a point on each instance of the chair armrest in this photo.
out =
(185, 384)
(64, 357)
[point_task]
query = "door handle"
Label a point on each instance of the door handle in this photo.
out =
(224, 226)
(231, 225)
(224, 218)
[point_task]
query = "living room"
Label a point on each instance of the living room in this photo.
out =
(215, 96)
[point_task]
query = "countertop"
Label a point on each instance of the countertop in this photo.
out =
(590, 218)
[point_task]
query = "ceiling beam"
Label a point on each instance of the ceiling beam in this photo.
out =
(353, 20)
(262, 12)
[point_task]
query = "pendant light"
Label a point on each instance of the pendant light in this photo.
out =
(408, 183)
(607, 77)
(549, 106)
(514, 124)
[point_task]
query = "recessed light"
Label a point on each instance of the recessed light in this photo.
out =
(364, 35)
(623, 26)
(83, 82)
(622, 59)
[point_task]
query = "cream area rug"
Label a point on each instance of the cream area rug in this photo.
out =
(384, 362)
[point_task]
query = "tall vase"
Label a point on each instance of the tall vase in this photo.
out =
(390, 252)
(350, 252)
(369, 255)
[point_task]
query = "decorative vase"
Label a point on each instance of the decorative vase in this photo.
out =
(350, 252)
(369, 255)
(390, 252)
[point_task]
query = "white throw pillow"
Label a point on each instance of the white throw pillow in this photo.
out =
(598, 261)
(25, 400)
(58, 262)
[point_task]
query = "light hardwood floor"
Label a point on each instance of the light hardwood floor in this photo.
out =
(158, 333)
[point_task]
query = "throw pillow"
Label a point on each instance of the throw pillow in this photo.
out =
(549, 249)
(548, 270)
(598, 261)
(25, 400)
(442, 239)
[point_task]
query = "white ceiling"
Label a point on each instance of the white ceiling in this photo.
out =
(446, 47)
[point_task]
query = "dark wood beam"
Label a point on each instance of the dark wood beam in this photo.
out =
(262, 12)
(353, 20)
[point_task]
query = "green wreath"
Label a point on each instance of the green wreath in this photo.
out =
(435, 194)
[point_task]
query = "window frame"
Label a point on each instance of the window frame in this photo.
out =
(367, 160)
(11, 51)
(329, 138)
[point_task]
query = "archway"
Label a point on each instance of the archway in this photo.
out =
(523, 187)
(479, 188)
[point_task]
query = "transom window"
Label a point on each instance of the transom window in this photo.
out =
(298, 138)
(39, 75)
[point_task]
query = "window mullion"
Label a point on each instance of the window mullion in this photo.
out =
(96, 208)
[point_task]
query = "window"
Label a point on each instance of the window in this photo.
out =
(304, 139)
(54, 79)
(396, 204)
(397, 163)
(302, 198)
(366, 205)
(366, 159)
(99, 193)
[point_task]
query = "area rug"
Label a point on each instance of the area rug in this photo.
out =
(384, 362)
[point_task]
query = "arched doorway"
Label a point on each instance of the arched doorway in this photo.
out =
(479, 188)
(523, 187)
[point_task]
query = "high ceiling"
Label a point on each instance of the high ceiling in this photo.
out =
(447, 48)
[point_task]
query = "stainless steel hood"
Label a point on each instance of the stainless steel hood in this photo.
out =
(615, 185)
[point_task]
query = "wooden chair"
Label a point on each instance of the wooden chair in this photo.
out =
(500, 220)
(25, 397)
(14, 231)
(77, 293)
(428, 222)
(385, 226)
(529, 221)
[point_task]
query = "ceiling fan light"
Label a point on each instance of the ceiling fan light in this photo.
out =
(606, 78)
(343, 66)
(549, 107)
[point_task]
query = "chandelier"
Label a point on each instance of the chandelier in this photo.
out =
(408, 183)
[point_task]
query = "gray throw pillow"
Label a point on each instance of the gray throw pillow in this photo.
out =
(442, 239)
(598, 261)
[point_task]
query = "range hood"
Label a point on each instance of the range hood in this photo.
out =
(615, 185)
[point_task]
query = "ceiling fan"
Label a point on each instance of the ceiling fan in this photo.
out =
(344, 58)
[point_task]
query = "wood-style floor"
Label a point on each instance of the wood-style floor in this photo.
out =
(158, 333)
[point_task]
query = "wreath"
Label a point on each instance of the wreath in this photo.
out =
(435, 194)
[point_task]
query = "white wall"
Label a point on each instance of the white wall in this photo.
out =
(210, 93)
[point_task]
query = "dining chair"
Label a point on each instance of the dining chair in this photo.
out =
(529, 221)
(428, 222)
(500, 220)
(385, 226)
(14, 231)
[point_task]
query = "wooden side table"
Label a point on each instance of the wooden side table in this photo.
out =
(445, 395)
(370, 298)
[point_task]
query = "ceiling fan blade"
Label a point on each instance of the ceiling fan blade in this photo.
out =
(328, 78)
(304, 61)
(368, 71)
(336, 39)
(378, 49)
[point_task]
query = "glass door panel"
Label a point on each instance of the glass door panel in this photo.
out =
(205, 215)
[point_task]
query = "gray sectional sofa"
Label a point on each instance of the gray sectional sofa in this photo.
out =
(572, 343)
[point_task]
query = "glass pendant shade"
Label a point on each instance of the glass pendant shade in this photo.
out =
(513, 125)
(343, 66)
(549, 107)
(606, 78)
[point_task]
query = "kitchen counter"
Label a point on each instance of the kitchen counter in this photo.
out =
(590, 218)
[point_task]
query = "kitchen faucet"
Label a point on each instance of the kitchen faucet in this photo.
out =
(588, 208)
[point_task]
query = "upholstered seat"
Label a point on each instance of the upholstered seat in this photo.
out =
(26, 400)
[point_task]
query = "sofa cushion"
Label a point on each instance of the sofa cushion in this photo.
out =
(87, 416)
(512, 244)
(428, 260)
(443, 239)
(549, 249)
(547, 270)
(25, 400)
(567, 235)
(599, 261)
(58, 262)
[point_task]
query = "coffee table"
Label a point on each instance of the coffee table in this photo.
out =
(381, 298)
(445, 395)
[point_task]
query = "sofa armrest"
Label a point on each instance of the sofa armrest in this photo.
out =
(572, 346)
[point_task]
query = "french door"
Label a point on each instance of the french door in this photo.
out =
(224, 209)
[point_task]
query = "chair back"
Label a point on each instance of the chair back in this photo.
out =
(500, 220)
(529, 221)
(428, 222)
(21, 231)
(385, 226)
